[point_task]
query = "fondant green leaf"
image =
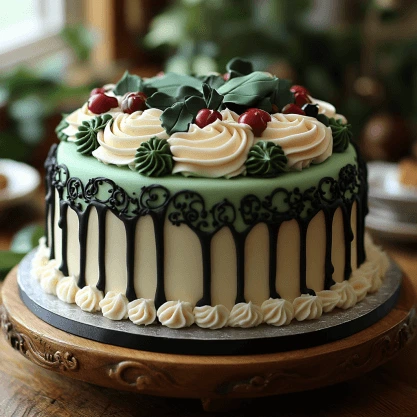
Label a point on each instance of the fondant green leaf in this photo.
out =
(248, 89)
(212, 97)
(213, 80)
(128, 83)
(281, 96)
(160, 101)
(264, 104)
(176, 118)
(186, 91)
(179, 116)
(238, 67)
(170, 82)
(194, 104)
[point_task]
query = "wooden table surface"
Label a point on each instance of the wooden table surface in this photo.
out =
(28, 390)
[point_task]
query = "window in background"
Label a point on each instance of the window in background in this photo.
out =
(29, 29)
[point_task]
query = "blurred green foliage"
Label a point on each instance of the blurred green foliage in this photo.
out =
(23, 242)
(29, 96)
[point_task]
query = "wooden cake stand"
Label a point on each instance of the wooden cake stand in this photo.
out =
(219, 381)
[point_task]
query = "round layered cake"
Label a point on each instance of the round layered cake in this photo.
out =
(232, 199)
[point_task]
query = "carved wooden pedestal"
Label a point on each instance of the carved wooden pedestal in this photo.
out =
(218, 380)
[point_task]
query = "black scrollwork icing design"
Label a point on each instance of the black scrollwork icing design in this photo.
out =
(224, 214)
(188, 207)
(117, 198)
(153, 197)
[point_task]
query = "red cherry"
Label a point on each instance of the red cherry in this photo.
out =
(98, 90)
(206, 116)
(134, 102)
(101, 103)
(292, 109)
(299, 89)
(262, 113)
(257, 119)
(301, 99)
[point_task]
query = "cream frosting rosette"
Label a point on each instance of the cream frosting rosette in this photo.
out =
(77, 117)
(327, 109)
(218, 150)
(303, 139)
(123, 136)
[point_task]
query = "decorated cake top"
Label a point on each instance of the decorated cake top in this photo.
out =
(243, 122)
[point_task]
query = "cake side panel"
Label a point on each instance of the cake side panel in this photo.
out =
(183, 259)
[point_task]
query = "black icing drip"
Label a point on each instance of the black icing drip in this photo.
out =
(328, 265)
(101, 214)
(189, 207)
(273, 230)
(130, 228)
(63, 209)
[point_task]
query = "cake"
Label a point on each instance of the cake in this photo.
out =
(230, 199)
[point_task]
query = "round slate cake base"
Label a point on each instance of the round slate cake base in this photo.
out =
(196, 341)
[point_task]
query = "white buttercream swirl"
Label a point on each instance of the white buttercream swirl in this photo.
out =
(142, 311)
(245, 315)
(303, 139)
(229, 116)
(329, 299)
(348, 297)
(370, 271)
(114, 306)
(49, 280)
(176, 314)
(277, 311)
(307, 307)
(211, 317)
(220, 149)
(122, 137)
(88, 299)
(40, 259)
(328, 109)
(67, 289)
(77, 117)
(360, 285)
(45, 268)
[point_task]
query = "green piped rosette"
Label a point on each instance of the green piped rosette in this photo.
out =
(87, 134)
(342, 134)
(154, 158)
(266, 159)
(63, 124)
